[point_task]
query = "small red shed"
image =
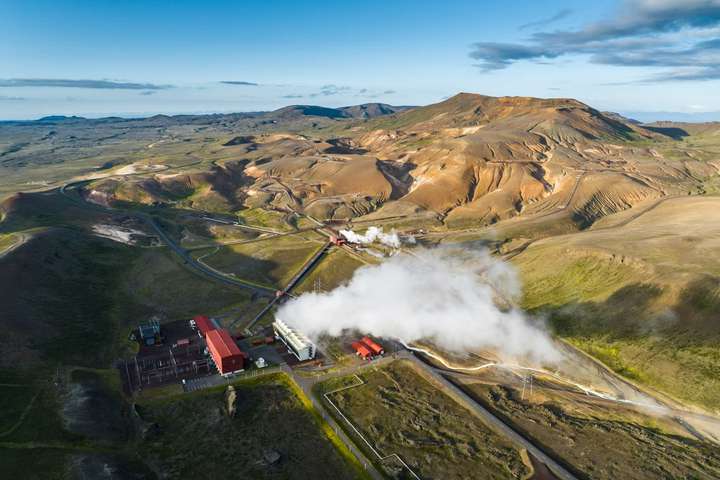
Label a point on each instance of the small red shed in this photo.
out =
(362, 350)
(376, 348)
(337, 240)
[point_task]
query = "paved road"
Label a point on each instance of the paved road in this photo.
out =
(237, 224)
(209, 381)
(191, 262)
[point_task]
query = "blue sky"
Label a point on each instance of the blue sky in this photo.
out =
(98, 58)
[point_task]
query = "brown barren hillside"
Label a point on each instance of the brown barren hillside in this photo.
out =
(470, 160)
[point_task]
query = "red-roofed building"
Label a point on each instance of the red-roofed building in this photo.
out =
(224, 351)
(362, 350)
(375, 347)
(204, 325)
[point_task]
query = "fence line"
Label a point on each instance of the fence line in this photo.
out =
(357, 432)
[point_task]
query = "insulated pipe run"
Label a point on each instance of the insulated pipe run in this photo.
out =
(585, 389)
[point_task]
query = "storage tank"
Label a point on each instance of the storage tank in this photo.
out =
(362, 350)
(376, 348)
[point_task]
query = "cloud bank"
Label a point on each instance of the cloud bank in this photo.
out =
(240, 82)
(329, 90)
(65, 83)
(445, 295)
(681, 35)
(564, 13)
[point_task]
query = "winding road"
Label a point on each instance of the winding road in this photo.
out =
(188, 260)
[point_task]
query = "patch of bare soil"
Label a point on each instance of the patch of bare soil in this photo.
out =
(91, 409)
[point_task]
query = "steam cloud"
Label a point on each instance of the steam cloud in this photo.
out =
(445, 295)
(373, 234)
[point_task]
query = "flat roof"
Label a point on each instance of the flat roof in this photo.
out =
(204, 324)
(362, 349)
(223, 343)
(374, 346)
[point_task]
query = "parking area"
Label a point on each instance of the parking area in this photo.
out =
(200, 383)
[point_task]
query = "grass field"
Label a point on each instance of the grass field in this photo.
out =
(259, 217)
(199, 233)
(73, 424)
(272, 262)
(34, 463)
(49, 154)
(42, 210)
(271, 418)
(7, 241)
(14, 399)
(598, 441)
(400, 412)
(31, 417)
(335, 269)
(71, 299)
(88, 293)
(639, 294)
(155, 278)
(36, 449)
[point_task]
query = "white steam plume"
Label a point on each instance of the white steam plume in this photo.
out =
(445, 295)
(373, 234)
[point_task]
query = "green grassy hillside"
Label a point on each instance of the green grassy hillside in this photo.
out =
(642, 296)
(271, 418)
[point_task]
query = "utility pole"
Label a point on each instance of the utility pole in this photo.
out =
(531, 386)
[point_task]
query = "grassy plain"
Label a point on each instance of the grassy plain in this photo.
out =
(638, 292)
(600, 441)
(335, 269)
(271, 262)
(271, 418)
(400, 412)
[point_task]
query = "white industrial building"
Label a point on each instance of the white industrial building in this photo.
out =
(296, 342)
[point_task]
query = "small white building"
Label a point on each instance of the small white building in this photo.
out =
(296, 342)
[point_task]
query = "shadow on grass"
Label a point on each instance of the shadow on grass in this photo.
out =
(630, 312)
(68, 296)
(675, 349)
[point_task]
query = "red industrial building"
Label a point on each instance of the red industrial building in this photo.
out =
(372, 345)
(362, 350)
(224, 351)
(204, 325)
(337, 240)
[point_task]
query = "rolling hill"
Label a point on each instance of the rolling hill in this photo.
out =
(468, 160)
(599, 212)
